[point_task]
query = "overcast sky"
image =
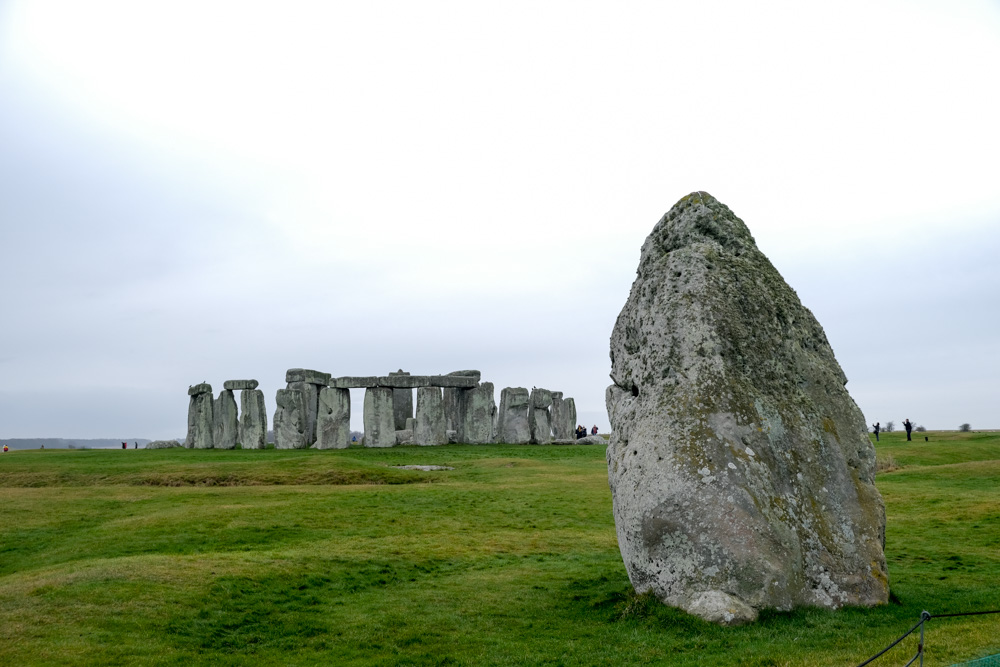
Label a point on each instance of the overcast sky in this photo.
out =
(203, 191)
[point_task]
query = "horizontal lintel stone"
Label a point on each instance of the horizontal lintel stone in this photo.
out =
(354, 382)
(306, 375)
(233, 385)
(202, 388)
(406, 381)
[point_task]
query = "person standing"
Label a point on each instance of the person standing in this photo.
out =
(593, 431)
(876, 427)
(908, 426)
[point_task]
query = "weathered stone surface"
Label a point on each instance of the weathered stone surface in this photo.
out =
(539, 420)
(239, 385)
(452, 436)
(469, 374)
(411, 423)
(380, 430)
(333, 419)
(430, 427)
(353, 382)
(402, 403)
(452, 407)
(253, 420)
(477, 410)
(290, 420)
(741, 472)
(225, 420)
(201, 421)
(562, 425)
(541, 398)
(405, 381)
(293, 375)
(512, 417)
(570, 405)
(404, 436)
(163, 444)
(201, 388)
(310, 400)
(591, 440)
(417, 381)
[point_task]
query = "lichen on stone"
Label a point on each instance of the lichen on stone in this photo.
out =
(730, 401)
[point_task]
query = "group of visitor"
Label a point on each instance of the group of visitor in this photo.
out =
(581, 431)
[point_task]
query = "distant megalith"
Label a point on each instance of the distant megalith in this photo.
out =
(539, 420)
(430, 427)
(380, 425)
(402, 403)
(162, 444)
(290, 420)
(512, 416)
(253, 419)
(333, 422)
(477, 412)
(226, 420)
(740, 469)
(201, 417)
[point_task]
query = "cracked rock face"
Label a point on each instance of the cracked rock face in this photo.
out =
(740, 468)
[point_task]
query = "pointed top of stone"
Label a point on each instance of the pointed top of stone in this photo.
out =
(699, 218)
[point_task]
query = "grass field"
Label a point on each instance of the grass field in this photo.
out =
(332, 557)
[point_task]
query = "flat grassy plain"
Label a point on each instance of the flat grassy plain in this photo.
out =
(179, 557)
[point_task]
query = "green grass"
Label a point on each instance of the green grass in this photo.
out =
(332, 557)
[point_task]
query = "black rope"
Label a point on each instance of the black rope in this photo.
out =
(924, 617)
(965, 613)
(883, 651)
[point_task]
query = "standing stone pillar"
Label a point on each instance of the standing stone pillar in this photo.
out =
(402, 403)
(557, 413)
(539, 422)
(453, 401)
(309, 382)
(430, 427)
(476, 415)
(290, 420)
(512, 419)
(225, 420)
(380, 426)
(570, 405)
(201, 422)
(333, 422)
(253, 419)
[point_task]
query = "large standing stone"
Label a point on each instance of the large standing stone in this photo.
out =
(253, 419)
(453, 401)
(290, 420)
(333, 423)
(741, 473)
(201, 421)
(310, 403)
(512, 418)
(539, 421)
(402, 403)
(430, 428)
(477, 410)
(380, 427)
(226, 421)
(452, 407)
(562, 425)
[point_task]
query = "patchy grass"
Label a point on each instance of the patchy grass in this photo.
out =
(274, 557)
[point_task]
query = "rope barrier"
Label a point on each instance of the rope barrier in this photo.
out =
(924, 617)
